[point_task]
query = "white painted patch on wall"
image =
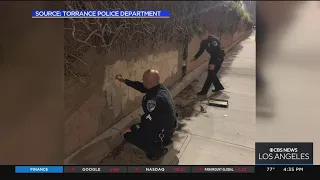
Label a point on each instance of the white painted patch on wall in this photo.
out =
(119, 94)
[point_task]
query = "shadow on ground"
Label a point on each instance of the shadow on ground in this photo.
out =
(230, 57)
(127, 154)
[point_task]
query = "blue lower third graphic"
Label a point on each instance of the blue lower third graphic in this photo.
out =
(39, 169)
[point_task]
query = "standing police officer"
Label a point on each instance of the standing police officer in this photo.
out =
(214, 48)
(159, 119)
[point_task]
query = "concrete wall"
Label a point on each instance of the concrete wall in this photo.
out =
(93, 109)
(105, 101)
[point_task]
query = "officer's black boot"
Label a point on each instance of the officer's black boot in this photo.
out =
(201, 93)
(207, 84)
(217, 86)
(215, 80)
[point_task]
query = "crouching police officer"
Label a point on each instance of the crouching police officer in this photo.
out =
(158, 122)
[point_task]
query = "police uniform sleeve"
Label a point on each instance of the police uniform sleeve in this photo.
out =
(136, 85)
(155, 118)
(201, 50)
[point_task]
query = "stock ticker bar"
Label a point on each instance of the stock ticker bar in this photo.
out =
(190, 169)
(258, 169)
(133, 169)
(159, 169)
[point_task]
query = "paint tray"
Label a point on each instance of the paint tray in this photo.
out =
(219, 103)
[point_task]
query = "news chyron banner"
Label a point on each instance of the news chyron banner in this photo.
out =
(284, 153)
(100, 14)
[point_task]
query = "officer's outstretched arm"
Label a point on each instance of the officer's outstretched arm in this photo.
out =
(136, 85)
(155, 118)
(201, 50)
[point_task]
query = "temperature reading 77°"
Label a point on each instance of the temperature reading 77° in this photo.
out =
(270, 169)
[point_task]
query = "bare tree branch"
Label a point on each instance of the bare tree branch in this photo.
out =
(128, 35)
